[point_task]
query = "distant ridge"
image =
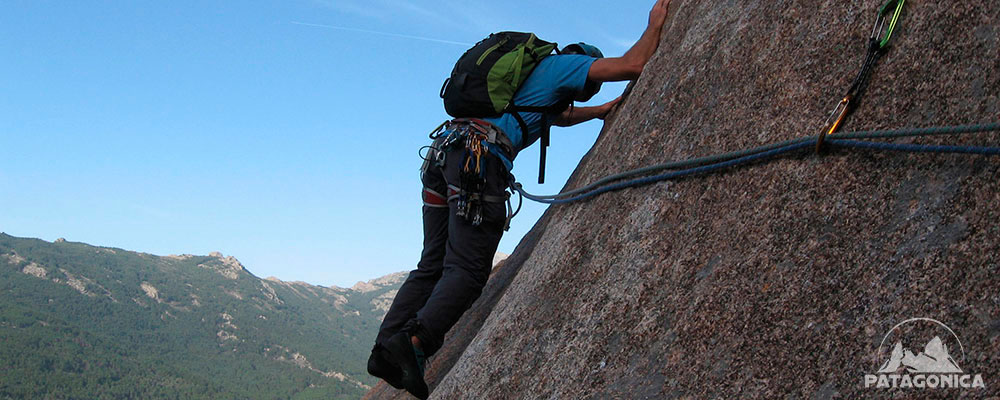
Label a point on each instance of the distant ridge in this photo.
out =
(84, 316)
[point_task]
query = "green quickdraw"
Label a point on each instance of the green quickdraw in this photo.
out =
(876, 46)
(880, 22)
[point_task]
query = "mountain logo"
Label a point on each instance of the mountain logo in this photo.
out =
(933, 366)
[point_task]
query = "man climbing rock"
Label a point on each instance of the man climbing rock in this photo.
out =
(465, 177)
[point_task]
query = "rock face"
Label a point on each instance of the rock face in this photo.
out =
(776, 280)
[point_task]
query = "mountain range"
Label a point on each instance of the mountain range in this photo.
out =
(80, 321)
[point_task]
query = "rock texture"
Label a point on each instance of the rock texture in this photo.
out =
(771, 281)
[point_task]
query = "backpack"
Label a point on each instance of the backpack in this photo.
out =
(486, 78)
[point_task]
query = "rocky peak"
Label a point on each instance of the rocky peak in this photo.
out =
(378, 283)
(228, 267)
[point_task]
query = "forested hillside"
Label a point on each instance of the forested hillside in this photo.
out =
(78, 321)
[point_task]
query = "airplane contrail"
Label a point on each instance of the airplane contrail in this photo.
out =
(343, 28)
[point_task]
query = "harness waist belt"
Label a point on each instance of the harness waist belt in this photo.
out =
(493, 133)
(454, 192)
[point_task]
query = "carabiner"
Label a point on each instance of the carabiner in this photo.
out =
(436, 133)
(840, 111)
(880, 22)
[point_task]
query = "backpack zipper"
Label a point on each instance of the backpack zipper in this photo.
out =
(491, 49)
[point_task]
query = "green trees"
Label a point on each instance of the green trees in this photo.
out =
(110, 324)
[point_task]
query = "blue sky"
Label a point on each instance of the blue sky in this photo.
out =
(284, 133)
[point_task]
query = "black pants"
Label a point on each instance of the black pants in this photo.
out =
(456, 259)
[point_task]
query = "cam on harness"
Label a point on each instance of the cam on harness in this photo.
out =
(478, 138)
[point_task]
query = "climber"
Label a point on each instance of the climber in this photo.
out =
(465, 176)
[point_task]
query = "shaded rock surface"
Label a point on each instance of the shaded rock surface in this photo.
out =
(776, 280)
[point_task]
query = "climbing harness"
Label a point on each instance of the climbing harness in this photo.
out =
(454, 130)
(477, 139)
(876, 46)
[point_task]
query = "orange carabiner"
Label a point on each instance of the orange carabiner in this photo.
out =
(840, 111)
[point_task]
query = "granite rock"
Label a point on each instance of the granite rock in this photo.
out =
(776, 280)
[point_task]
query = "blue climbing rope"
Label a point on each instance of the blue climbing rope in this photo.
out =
(703, 165)
(918, 148)
(673, 175)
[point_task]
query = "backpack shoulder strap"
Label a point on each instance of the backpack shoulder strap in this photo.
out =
(553, 109)
(544, 140)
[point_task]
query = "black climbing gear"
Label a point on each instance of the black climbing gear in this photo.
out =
(478, 139)
(472, 180)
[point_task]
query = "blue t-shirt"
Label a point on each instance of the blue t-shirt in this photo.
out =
(556, 79)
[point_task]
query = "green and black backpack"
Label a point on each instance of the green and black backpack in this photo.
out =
(486, 78)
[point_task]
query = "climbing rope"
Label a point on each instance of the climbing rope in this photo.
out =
(886, 20)
(918, 148)
(717, 162)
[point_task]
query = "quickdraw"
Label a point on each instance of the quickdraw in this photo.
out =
(472, 187)
(876, 46)
(477, 139)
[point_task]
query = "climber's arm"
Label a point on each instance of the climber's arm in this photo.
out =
(576, 115)
(629, 66)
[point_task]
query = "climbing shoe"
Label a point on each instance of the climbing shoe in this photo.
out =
(379, 366)
(404, 357)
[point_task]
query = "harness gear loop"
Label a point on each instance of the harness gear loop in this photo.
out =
(477, 138)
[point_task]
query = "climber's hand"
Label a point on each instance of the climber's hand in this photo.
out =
(576, 115)
(658, 15)
(607, 107)
(629, 66)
